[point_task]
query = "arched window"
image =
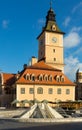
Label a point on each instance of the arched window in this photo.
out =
(40, 90)
(62, 78)
(27, 77)
(46, 77)
(40, 77)
(33, 77)
(58, 78)
(50, 77)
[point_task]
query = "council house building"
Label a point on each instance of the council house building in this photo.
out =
(44, 79)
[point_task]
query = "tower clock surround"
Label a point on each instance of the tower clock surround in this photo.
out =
(51, 38)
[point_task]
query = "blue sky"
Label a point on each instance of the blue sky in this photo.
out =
(21, 22)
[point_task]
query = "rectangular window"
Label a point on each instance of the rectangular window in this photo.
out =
(22, 90)
(53, 50)
(67, 91)
(59, 91)
(50, 91)
(31, 90)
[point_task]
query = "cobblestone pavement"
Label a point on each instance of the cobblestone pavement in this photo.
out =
(13, 125)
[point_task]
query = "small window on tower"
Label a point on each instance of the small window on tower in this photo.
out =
(54, 59)
(53, 27)
(53, 50)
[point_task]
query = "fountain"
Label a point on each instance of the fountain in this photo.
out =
(41, 110)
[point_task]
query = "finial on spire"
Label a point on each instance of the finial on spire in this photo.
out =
(50, 4)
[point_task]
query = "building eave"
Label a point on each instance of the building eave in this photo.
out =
(54, 84)
(51, 32)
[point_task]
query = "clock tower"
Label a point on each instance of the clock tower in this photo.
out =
(51, 43)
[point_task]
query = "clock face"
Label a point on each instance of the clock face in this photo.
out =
(54, 39)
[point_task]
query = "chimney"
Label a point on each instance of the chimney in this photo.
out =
(24, 66)
(33, 60)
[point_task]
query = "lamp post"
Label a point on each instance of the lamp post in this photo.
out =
(33, 90)
(33, 93)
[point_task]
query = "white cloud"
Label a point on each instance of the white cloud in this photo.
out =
(73, 38)
(77, 7)
(76, 29)
(72, 64)
(41, 21)
(66, 22)
(5, 24)
(78, 51)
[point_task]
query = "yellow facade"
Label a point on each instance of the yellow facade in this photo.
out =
(45, 95)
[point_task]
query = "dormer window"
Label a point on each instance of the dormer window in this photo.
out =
(45, 77)
(40, 77)
(58, 78)
(27, 77)
(50, 78)
(62, 78)
(33, 77)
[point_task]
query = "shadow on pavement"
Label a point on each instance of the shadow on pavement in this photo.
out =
(49, 126)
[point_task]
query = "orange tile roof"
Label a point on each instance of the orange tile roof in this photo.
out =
(8, 79)
(42, 68)
(36, 69)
